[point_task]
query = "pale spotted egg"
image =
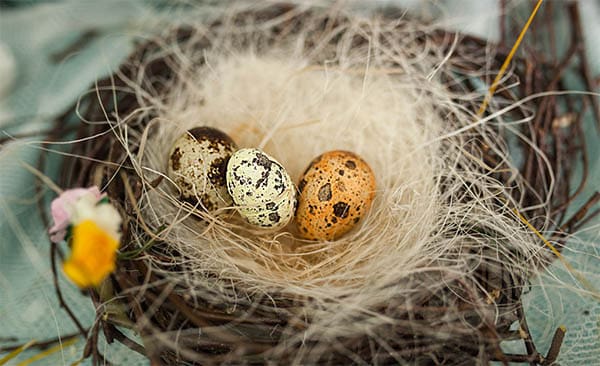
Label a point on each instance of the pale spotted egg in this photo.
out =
(197, 165)
(261, 188)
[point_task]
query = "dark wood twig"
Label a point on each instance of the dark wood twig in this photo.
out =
(532, 353)
(555, 346)
(581, 213)
(53, 253)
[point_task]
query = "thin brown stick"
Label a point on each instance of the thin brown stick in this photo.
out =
(555, 346)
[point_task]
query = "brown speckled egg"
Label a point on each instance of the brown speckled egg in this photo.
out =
(198, 163)
(336, 191)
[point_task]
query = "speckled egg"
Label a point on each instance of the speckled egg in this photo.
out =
(336, 191)
(261, 188)
(197, 164)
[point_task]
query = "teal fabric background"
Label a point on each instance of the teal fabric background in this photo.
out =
(42, 89)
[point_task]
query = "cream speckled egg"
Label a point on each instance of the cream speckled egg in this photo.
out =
(197, 164)
(336, 191)
(261, 188)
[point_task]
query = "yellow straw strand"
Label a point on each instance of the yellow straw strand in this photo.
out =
(16, 352)
(584, 282)
(507, 61)
(48, 352)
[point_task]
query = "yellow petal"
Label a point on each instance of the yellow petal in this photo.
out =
(93, 255)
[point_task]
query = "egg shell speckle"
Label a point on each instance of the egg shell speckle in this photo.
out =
(262, 188)
(336, 191)
(198, 163)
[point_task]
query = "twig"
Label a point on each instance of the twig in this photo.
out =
(581, 213)
(555, 346)
(61, 301)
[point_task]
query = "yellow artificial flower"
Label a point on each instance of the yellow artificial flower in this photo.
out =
(93, 254)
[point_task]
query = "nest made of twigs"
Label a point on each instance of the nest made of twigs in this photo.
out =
(446, 319)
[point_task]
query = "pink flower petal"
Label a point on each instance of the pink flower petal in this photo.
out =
(58, 236)
(59, 210)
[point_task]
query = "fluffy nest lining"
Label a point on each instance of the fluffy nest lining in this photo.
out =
(434, 273)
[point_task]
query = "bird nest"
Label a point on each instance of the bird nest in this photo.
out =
(434, 274)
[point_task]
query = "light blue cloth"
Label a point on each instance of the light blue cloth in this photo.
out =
(28, 305)
(43, 89)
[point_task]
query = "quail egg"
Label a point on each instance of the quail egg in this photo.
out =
(336, 191)
(197, 164)
(261, 188)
